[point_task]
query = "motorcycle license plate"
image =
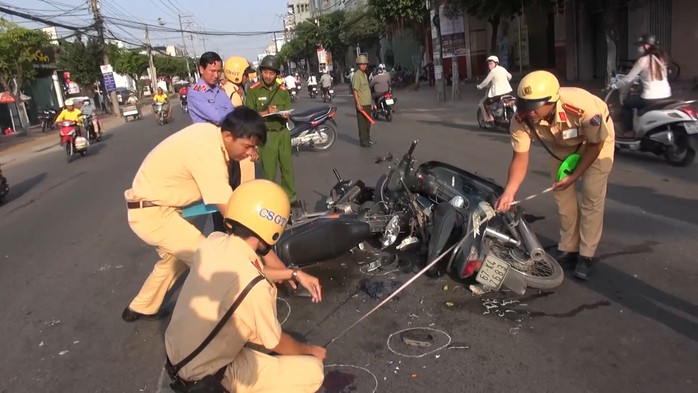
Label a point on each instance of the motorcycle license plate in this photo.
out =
(691, 128)
(492, 272)
(389, 101)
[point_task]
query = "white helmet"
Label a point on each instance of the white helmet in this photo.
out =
(69, 102)
(493, 58)
(381, 66)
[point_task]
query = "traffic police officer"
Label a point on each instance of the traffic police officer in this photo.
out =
(565, 120)
(188, 166)
(223, 266)
(362, 99)
(207, 102)
(236, 70)
(267, 97)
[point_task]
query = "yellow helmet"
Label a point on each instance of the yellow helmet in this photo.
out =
(234, 68)
(536, 89)
(261, 206)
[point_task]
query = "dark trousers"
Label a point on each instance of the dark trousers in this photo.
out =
(234, 181)
(635, 102)
(364, 125)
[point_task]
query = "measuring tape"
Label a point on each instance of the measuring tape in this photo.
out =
(429, 265)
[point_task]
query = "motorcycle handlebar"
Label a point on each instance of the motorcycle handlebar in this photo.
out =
(412, 147)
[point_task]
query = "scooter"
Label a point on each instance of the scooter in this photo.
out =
(503, 110)
(4, 188)
(183, 102)
(313, 92)
(384, 107)
(91, 133)
(72, 140)
(314, 128)
(47, 117)
(666, 128)
(161, 112)
(294, 95)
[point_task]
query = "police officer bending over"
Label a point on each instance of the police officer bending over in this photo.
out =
(566, 121)
(189, 166)
(224, 266)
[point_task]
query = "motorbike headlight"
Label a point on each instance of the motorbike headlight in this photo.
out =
(457, 201)
(391, 231)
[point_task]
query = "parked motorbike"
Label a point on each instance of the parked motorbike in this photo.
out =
(47, 117)
(503, 110)
(72, 140)
(667, 128)
(4, 188)
(437, 207)
(90, 132)
(161, 112)
(183, 102)
(314, 128)
(385, 105)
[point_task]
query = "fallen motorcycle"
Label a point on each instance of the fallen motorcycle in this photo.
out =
(440, 209)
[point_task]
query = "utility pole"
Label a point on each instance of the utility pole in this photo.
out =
(438, 53)
(276, 47)
(99, 25)
(184, 45)
(153, 75)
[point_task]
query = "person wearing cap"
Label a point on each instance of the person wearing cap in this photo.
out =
(651, 67)
(224, 266)
(187, 167)
(565, 120)
(70, 113)
(497, 82)
(208, 103)
(269, 97)
(362, 100)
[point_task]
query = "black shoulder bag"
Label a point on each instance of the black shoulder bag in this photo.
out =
(210, 383)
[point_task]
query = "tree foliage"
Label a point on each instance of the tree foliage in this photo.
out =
(361, 28)
(170, 66)
(82, 58)
(18, 47)
(128, 62)
(398, 14)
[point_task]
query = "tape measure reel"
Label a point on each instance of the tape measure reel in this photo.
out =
(568, 166)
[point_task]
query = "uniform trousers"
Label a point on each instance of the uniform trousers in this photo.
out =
(364, 125)
(277, 152)
(254, 371)
(175, 240)
(581, 220)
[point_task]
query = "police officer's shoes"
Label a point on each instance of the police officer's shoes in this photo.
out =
(584, 267)
(131, 316)
(566, 258)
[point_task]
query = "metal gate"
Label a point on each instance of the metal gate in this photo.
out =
(660, 22)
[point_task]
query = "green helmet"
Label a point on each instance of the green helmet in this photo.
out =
(271, 62)
(362, 59)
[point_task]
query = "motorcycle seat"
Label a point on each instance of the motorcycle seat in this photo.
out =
(311, 114)
(660, 104)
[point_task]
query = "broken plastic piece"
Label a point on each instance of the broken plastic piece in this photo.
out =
(417, 339)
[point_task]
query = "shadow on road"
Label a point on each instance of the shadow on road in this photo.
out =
(647, 198)
(21, 188)
(348, 138)
(671, 311)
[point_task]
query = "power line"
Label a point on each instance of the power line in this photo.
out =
(135, 24)
(45, 21)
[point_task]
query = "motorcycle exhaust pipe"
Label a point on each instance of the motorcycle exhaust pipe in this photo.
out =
(502, 237)
(530, 241)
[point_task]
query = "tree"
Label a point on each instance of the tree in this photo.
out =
(170, 66)
(303, 44)
(360, 28)
(329, 35)
(18, 47)
(82, 59)
(129, 62)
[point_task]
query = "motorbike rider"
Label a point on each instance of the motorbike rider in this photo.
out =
(224, 265)
(565, 121)
(380, 83)
(651, 67)
(70, 113)
(290, 82)
(312, 82)
(183, 91)
(498, 82)
(88, 110)
(161, 97)
(326, 83)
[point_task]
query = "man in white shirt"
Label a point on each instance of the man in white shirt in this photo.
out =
(498, 82)
(290, 82)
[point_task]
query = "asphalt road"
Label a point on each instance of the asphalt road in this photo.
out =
(69, 264)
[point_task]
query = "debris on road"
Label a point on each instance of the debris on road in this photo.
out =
(61, 353)
(417, 338)
(378, 289)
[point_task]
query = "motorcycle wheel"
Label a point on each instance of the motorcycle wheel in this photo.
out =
(544, 274)
(481, 119)
(83, 153)
(682, 156)
(331, 135)
(673, 71)
(69, 151)
(389, 115)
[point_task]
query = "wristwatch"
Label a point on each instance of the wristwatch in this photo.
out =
(294, 275)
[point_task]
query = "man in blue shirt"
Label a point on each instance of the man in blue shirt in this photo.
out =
(208, 103)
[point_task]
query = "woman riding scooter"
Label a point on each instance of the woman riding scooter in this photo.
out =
(498, 82)
(651, 67)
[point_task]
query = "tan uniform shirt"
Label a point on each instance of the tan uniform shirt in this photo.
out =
(237, 98)
(579, 117)
(222, 268)
(188, 166)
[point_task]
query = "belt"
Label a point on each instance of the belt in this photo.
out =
(140, 204)
(275, 129)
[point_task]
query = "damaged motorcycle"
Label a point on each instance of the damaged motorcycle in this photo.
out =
(436, 208)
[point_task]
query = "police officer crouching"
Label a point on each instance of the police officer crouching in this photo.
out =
(567, 121)
(225, 267)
